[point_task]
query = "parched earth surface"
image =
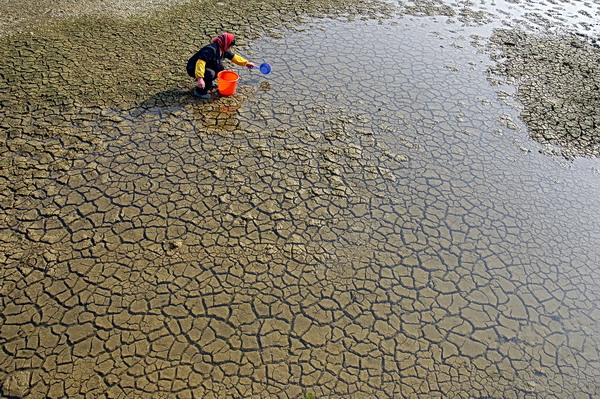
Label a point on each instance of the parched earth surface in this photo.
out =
(559, 87)
(383, 228)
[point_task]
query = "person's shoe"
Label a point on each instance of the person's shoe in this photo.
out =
(196, 93)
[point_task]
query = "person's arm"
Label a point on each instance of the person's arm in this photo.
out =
(200, 68)
(239, 60)
(199, 72)
(205, 55)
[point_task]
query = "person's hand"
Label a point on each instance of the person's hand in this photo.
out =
(201, 83)
(250, 65)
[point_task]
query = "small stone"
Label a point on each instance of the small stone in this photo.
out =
(176, 244)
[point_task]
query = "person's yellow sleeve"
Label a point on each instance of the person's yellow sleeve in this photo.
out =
(200, 67)
(238, 60)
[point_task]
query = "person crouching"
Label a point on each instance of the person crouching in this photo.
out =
(208, 62)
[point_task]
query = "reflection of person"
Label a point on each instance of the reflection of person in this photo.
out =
(208, 62)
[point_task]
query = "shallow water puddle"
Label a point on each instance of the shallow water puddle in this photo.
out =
(368, 220)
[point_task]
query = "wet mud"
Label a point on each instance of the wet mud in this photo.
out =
(550, 50)
(376, 229)
(559, 87)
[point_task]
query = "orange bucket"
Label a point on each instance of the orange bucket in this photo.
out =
(228, 81)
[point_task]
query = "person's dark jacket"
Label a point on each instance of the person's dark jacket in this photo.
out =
(210, 57)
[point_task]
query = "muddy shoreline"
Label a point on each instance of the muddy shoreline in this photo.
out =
(558, 83)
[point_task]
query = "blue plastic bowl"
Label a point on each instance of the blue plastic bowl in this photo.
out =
(265, 68)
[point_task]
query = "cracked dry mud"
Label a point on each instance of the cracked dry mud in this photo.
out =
(378, 229)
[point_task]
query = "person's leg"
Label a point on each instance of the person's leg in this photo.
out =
(209, 77)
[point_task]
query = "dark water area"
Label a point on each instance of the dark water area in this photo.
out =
(372, 219)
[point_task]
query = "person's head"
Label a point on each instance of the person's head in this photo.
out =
(225, 41)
